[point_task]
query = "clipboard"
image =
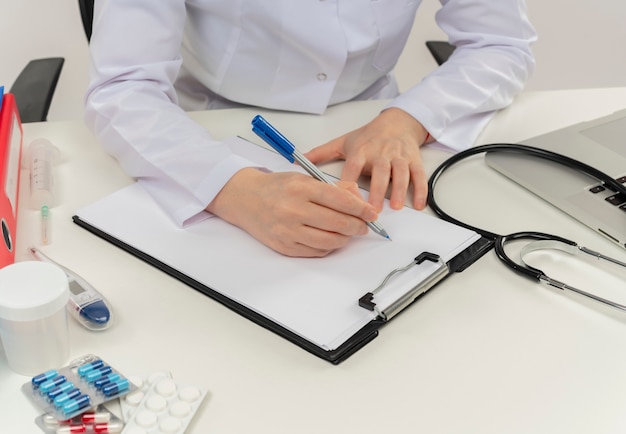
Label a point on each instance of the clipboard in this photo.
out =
(10, 158)
(311, 302)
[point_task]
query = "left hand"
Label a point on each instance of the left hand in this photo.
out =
(387, 149)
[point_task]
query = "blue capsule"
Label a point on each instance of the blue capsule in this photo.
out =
(78, 403)
(47, 386)
(64, 397)
(105, 380)
(83, 369)
(115, 387)
(97, 373)
(38, 379)
(63, 387)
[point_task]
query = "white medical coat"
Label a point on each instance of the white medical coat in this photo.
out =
(153, 59)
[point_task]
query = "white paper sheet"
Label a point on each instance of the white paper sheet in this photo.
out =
(316, 298)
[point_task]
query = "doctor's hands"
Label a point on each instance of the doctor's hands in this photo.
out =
(387, 149)
(293, 213)
(297, 215)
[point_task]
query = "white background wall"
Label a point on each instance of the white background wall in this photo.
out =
(581, 44)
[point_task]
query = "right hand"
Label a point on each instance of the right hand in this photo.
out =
(293, 213)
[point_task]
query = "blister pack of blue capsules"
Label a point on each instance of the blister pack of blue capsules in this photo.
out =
(74, 389)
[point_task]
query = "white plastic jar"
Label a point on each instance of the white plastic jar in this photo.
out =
(33, 319)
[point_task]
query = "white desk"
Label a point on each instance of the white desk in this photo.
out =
(486, 352)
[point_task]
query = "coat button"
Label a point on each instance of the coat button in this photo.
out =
(321, 76)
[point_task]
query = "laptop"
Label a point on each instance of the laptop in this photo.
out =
(600, 143)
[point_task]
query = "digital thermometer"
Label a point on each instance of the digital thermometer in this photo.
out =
(86, 304)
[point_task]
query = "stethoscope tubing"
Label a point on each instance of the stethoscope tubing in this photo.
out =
(510, 147)
(499, 241)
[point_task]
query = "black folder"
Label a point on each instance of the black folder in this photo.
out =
(330, 306)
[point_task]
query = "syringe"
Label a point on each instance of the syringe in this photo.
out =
(42, 155)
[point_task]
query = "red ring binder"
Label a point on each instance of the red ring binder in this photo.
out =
(11, 136)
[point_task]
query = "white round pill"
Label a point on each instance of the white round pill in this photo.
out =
(166, 387)
(189, 393)
(146, 418)
(180, 409)
(156, 403)
(170, 424)
(134, 398)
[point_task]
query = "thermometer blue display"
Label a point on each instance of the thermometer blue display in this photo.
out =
(86, 304)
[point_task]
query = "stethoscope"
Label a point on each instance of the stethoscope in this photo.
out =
(536, 240)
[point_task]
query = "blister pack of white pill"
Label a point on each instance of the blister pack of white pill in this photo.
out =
(130, 402)
(160, 405)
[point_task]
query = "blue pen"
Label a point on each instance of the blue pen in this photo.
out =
(284, 147)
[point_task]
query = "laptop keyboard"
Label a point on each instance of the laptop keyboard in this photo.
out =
(617, 199)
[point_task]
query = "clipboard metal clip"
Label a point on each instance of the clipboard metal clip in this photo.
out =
(394, 308)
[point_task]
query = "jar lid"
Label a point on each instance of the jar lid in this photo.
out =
(32, 290)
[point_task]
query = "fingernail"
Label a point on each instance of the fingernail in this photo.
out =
(420, 203)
